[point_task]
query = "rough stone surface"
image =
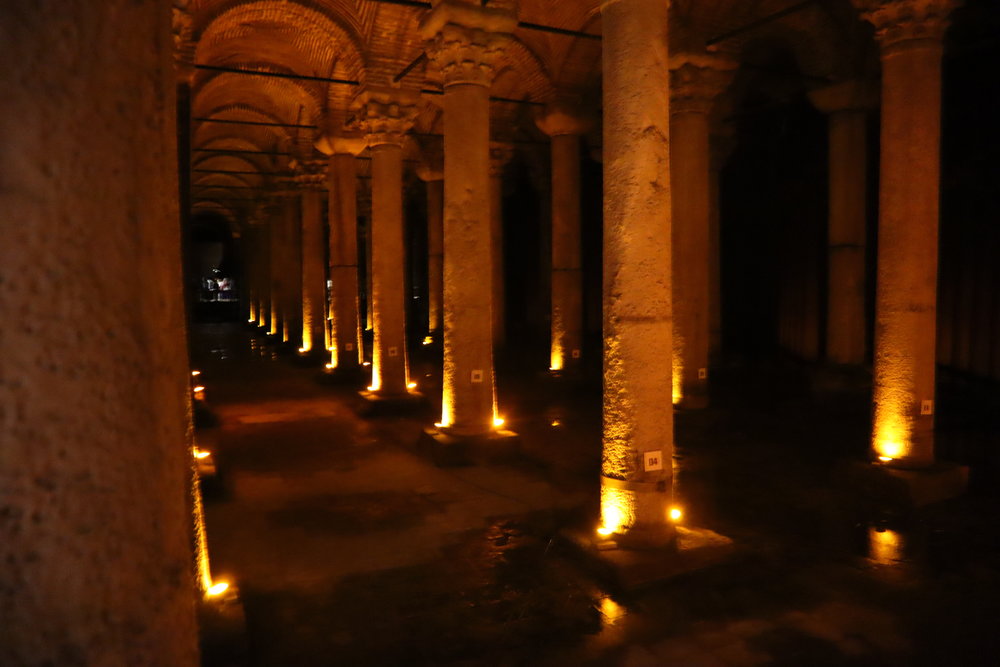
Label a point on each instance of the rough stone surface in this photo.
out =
(345, 321)
(637, 277)
(94, 526)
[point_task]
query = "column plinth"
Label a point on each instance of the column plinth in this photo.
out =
(464, 42)
(565, 124)
(910, 36)
(636, 468)
(696, 80)
(386, 115)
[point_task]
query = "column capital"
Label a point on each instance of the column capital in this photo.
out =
(500, 154)
(181, 24)
(852, 95)
(465, 41)
(696, 80)
(310, 174)
(902, 22)
(341, 144)
(564, 116)
(431, 165)
(385, 115)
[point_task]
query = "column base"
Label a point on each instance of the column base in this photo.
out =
(689, 550)
(447, 449)
(382, 405)
(223, 629)
(907, 488)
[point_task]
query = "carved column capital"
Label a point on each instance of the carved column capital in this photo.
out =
(853, 95)
(431, 165)
(184, 45)
(341, 144)
(564, 116)
(899, 23)
(385, 115)
(311, 174)
(465, 41)
(696, 80)
(500, 155)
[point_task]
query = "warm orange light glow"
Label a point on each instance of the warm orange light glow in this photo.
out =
(886, 546)
(498, 421)
(200, 538)
(676, 514)
(195, 373)
(372, 387)
(556, 357)
(329, 367)
(411, 385)
(885, 459)
(367, 363)
(605, 531)
(892, 424)
(303, 350)
(447, 408)
(217, 589)
(199, 393)
(617, 508)
(556, 422)
(201, 454)
(428, 340)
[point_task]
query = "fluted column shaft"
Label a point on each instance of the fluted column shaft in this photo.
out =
(910, 34)
(638, 337)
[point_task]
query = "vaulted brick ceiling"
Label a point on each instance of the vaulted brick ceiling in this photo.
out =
(373, 41)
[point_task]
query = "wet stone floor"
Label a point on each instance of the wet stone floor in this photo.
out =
(349, 547)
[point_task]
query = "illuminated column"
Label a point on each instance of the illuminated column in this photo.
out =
(290, 283)
(695, 82)
(386, 115)
(910, 34)
(464, 42)
(431, 171)
(846, 107)
(636, 475)
(313, 258)
(95, 520)
(343, 219)
(565, 125)
(500, 155)
(264, 271)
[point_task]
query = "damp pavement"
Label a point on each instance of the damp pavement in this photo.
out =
(349, 547)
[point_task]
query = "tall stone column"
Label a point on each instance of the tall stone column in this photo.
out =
(290, 269)
(464, 42)
(276, 265)
(910, 35)
(264, 271)
(95, 525)
(846, 106)
(695, 81)
(386, 115)
(500, 155)
(638, 441)
(345, 323)
(313, 273)
(565, 125)
(431, 171)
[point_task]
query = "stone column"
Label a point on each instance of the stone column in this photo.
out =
(386, 115)
(95, 512)
(276, 265)
(290, 269)
(500, 155)
(345, 322)
(636, 474)
(313, 259)
(264, 272)
(431, 171)
(565, 125)
(910, 35)
(846, 106)
(695, 81)
(464, 42)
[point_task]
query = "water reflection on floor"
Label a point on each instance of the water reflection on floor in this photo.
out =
(350, 548)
